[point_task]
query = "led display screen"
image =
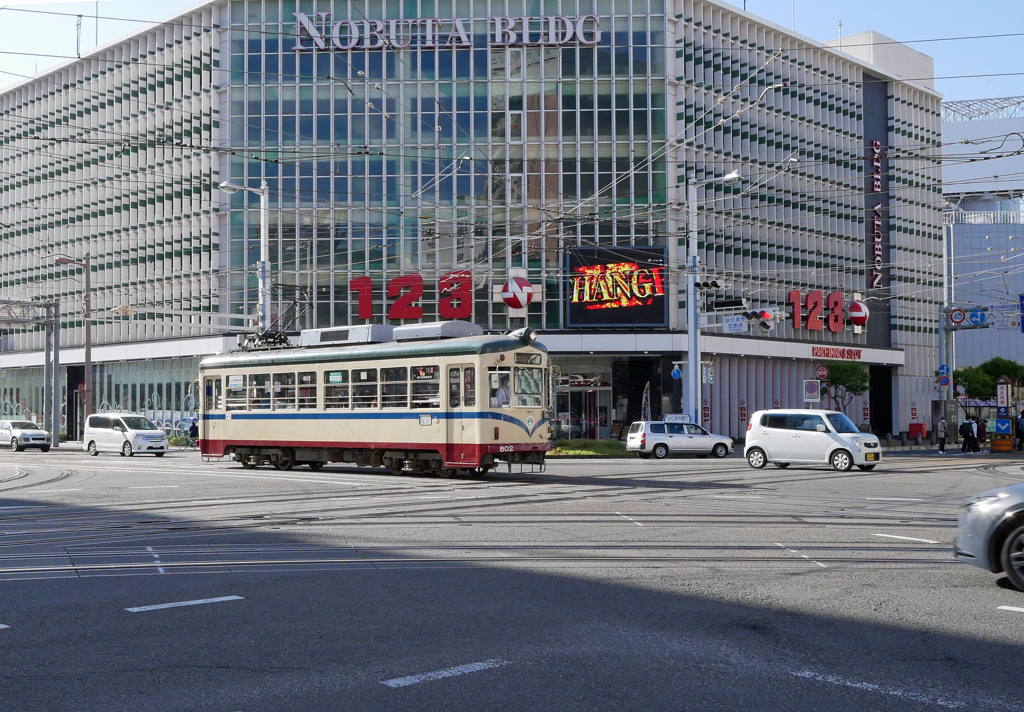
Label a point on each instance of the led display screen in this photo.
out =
(616, 286)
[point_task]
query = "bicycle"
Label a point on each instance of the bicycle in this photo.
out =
(186, 442)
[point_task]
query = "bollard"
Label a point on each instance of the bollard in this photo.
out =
(903, 438)
(917, 439)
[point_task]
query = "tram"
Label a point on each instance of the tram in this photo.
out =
(434, 398)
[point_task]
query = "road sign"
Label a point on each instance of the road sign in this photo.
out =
(687, 418)
(674, 417)
(1002, 411)
(735, 324)
(1004, 426)
(944, 381)
(957, 316)
(822, 373)
(812, 391)
(943, 370)
(976, 317)
(676, 373)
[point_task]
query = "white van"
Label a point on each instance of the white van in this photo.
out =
(125, 433)
(810, 436)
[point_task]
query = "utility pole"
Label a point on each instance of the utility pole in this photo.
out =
(86, 265)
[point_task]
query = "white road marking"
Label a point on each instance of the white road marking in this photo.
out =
(156, 487)
(156, 558)
(1011, 608)
(871, 687)
(224, 501)
(736, 496)
(895, 499)
(630, 519)
(60, 490)
(2, 626)
(160, 606)
(447, 672)
(907, 538)
(794, 551)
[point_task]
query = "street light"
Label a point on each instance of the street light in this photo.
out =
(86, 264)
(693, 390)
(264, 283)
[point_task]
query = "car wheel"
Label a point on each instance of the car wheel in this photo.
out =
(1012, 558)
(93, 450)
(158, 454)
(781, 465)
(45, 448)
(15, 445)
(841, 460)
(126, 449)
(866, 468)
(756, 458)
(446, 473)
(660, 451)
(720, 450)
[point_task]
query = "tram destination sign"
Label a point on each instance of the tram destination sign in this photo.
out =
(322, 33)
(620, 286)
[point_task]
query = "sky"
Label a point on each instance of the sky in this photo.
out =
(938, 21)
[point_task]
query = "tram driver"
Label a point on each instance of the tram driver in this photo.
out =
(501, 394)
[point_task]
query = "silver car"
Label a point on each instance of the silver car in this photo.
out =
(990, 534)
(660, 439)
(20, 434)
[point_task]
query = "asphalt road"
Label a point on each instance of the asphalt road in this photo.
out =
(598, 585)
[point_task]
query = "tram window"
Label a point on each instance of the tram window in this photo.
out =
(469, 386)
(336, 390)
(364, 390)
(454, 391)
(528, 386)
(500, 394)
(235, 394)
(214, 399)
(307, 390)
(395, 389)
(259, 391)
(284, 391)
(426, 387)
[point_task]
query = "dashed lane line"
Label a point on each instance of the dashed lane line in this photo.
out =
(630, 519)
(907, 538)
(160, 606)
(447, 672)
(804, 556)
(1015, 609)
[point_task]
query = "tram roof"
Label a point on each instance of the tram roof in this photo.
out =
(390, 350)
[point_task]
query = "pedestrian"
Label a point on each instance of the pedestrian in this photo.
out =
(943, 435)
(1020, 432)
(965, 436)
(974, 435)
(982, 431)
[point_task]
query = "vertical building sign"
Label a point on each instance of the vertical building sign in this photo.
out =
(877, 200)
(877, 263)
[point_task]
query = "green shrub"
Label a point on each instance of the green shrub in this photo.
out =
(589, 447)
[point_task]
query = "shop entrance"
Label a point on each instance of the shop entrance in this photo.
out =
(582, 412)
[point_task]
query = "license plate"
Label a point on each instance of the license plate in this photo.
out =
(871, 456)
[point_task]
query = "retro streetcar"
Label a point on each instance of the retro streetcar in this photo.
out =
(432, 398)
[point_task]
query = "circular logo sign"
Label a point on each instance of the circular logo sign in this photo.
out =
(859, 313)
(517, 293)
(957, 316)
(822, 373)
(529, 422)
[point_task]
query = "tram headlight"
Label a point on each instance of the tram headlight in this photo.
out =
(526, 335)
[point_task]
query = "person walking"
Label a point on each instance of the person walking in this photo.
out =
(943, 435)
(974, 435)
(965, 436)
(1020, 432)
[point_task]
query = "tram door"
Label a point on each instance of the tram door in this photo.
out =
(461, 402)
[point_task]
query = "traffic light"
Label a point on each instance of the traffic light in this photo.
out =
(765, 318)
(706, 283)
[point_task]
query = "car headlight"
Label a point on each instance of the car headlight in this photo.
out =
(858, 442)
(983, 504)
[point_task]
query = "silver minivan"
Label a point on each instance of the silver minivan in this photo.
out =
(661, 439)
(124, 433)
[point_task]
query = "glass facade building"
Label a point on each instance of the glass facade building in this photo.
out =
(419, 154)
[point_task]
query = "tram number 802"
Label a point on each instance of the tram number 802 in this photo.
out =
(504, 448)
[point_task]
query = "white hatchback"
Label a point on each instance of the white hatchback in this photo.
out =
(782, 437)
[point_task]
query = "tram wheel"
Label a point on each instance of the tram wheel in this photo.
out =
(286, 461)
(248, 462)
(315, 465)
(446, 472)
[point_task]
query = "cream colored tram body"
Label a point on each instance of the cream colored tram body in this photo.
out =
(440, 406)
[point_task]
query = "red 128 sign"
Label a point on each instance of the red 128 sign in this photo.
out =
(455, 296)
